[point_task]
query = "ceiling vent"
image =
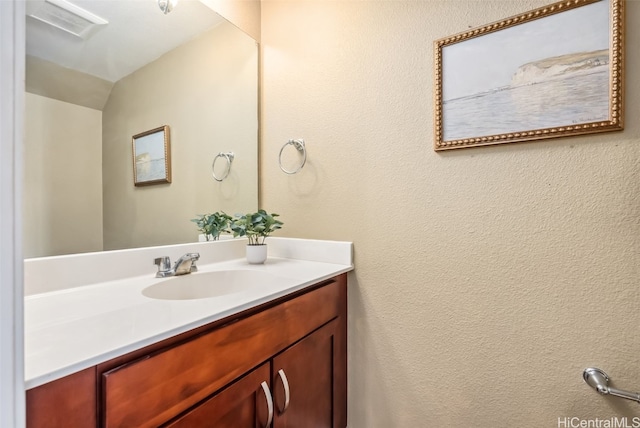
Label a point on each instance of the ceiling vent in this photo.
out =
(67, 17)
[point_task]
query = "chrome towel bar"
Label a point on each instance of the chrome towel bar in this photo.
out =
(598, 380)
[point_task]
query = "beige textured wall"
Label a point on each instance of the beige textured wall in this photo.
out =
(210, 106)
(486, 279)
(62, 195)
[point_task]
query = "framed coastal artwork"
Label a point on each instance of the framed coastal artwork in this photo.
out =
(152, 157)
(551, 72)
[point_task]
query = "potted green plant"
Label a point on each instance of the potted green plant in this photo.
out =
(256, 227)
(212, 225)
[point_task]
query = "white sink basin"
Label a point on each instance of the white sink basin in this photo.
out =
(203, 285)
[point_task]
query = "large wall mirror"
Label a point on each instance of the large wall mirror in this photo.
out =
(90, 90)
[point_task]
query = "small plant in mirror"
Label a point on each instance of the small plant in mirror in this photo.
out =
(255, 226)
(212, 225)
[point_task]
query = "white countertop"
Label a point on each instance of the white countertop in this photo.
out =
(70, 329)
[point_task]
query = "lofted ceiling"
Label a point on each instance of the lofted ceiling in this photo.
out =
(137, 33)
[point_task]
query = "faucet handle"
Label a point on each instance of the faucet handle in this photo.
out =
(163, 263)
(194, 258)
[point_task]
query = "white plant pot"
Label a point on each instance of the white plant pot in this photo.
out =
(256, 254)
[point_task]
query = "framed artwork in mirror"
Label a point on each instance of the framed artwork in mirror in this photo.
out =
(152, 157)
(551, 72)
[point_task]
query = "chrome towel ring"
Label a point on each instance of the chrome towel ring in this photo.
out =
(300, 147)
(229, 158)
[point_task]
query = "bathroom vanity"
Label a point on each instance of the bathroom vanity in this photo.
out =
(277, 360)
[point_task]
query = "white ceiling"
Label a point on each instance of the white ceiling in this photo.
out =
(138, 33)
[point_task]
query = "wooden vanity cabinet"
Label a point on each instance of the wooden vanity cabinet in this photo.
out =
(301, 391)
(291, 352)
(240, 405)
(308, 370)
(69, 402)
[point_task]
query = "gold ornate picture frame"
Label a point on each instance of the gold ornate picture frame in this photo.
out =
(152, 157)
(551, 72)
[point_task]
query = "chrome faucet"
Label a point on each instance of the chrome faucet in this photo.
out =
(184, 265)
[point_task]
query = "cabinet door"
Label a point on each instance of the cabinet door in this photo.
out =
(69, 402)
(304, 381)
(241, 405)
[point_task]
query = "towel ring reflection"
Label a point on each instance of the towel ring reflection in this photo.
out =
(229, 158)
(300, 147)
